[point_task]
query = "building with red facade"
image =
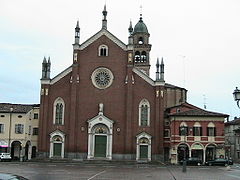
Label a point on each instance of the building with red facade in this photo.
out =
(195, 132)
(105, 105)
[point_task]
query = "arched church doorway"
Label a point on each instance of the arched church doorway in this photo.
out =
(100, 133)
(143, 147)
(57, 146)
(57, 139)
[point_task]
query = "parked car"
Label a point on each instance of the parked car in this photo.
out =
(5, 157)
(220, 161)
(4, 176)
(193, 161)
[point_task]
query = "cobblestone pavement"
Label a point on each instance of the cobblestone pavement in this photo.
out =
(81, 171)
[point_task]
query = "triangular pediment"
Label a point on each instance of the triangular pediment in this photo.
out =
(57, 132)
(103, 32)
(100, 117)
(144, 134)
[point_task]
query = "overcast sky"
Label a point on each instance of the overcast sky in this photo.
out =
(198, 39)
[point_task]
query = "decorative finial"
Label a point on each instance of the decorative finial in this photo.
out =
(49, 60)
(130, 29)
(157, 65)
(157, 71)
(162, 70)
(44, 60)
(100, 108)
(140, 10)
(104, 21)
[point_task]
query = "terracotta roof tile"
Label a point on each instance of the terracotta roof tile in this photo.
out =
(17, 108)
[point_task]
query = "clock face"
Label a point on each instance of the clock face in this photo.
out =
(102, 78)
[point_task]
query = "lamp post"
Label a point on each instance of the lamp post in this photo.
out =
(236, 95)
(183, 132)
(10, 127)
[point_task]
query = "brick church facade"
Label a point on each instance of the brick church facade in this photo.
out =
(105, 105)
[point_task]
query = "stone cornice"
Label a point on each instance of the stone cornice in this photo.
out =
(61, 75)
(101, 33)
(214, 119)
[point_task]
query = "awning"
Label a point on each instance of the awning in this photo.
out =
(3, 143)
(197, 146)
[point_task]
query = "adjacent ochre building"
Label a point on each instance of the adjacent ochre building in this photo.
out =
(105, 105)
(19, 130)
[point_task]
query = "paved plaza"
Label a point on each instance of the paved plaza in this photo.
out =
(82, 171)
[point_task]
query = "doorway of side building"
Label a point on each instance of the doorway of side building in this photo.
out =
(100, 146)
(34, 151)
(166, 154)
(27, 151)
(16, 150)
(210, 152)
(197, 151)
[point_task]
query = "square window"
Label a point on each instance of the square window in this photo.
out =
(35, 131)
(19, 128)
(1, 128)
(35, 116)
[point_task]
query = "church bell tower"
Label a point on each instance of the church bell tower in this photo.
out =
(141, 46)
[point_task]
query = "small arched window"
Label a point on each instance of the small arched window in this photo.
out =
(144, 113)
(140, 40)
(143, 56)
(211, 129)
(197, 129)
(103, 50)
(58, 112)
(137, 56)
(183, 129)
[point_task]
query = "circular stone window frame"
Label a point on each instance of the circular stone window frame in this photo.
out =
(99, 70)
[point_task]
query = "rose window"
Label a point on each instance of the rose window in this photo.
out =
(102, 78)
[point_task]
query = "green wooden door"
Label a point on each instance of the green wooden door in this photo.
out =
(143, 151)
(57, 149)
(100, 146)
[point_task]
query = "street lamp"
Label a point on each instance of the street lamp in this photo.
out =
(10, 127)
(236, 95)
(184, 133)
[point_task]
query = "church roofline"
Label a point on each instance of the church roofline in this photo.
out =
(98, 35)
(195, 111)
(61, 75)
(147, 78)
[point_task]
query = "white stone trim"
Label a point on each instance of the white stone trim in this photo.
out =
(143, 76)
(102, 46)
(45, 81)
(101, 33)
(61, 75)
(202, 120)
(149, 137)
(211, 124)
(144, 102)
(92, 123)
(58, 100)
(106, 72)
(62, 135)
